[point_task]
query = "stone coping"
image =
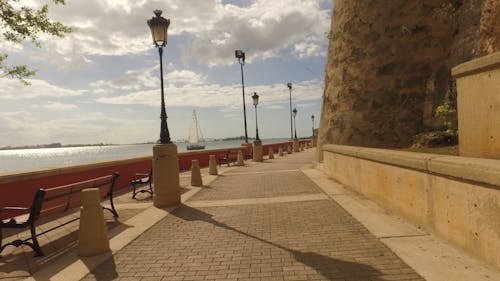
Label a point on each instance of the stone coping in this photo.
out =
(486, 171)
(45, 172)
(477, 65)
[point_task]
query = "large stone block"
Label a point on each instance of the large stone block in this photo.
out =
(478, 104)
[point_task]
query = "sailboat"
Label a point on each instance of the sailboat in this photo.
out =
(193, 138)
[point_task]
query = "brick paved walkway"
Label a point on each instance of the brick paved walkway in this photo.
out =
(265, 221)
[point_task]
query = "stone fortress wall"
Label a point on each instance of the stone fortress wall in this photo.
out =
(389, 65)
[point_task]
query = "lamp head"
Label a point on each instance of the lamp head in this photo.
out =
(240, 55)
(294, 112)
(159, 27)
(255, 99)
(312, 117)
(289, 85)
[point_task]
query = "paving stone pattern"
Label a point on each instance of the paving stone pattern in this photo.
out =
(305, 240)
(253, 185)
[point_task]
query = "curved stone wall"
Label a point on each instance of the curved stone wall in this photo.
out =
(389, 65)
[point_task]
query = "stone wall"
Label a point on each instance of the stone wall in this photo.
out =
(455, 198)
(389, 65)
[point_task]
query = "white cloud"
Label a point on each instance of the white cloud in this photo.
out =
(13, 89)
(263, 29)
(185, 88)
(59, 106)
(132, 80)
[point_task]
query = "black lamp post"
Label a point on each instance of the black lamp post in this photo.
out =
(255, 99)
(295, 124)
(240, 55)
(159, 26)
(289, 85)
(312, 118)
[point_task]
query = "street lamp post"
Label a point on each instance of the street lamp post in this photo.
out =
(295, 124)
(289, 85)
(295, 140)
(312, 118)
(255, 99)
(257, 144)
(159, 26)
(165, 164)
(240, 55)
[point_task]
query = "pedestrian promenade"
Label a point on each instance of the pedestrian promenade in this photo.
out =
(277, 220)
(265, 221)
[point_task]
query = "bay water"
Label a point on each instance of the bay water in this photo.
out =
(16, 160)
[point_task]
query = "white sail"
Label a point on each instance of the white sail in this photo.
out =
(193, 130)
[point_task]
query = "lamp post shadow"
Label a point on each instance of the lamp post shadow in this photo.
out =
(328, 267)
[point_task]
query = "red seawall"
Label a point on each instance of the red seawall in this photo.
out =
(19, 189)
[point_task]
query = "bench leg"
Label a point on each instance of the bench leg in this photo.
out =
(16, 243)
(112, 209)
(133, 191)
(35, 246)
(1, 239)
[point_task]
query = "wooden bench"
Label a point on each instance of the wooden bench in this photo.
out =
(52, 201)
(230, 157)
(141, 179)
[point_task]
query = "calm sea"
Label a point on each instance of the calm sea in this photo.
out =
(16, 160)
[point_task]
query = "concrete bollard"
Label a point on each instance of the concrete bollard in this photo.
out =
(280, 151)
(195, 173)
(289, 150)
(302, 147)
(271, 153)
(212, 165)
(240, 161)
(93, 234)
(167, 190)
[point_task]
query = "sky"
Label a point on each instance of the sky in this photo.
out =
(101, 83)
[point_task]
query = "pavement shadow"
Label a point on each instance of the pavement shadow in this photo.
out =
(328, 267)
(103, 272)
(21, 262)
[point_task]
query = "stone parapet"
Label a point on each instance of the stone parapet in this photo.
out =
(456, 198)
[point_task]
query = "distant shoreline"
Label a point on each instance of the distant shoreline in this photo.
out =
(60, 145)
(53, 145)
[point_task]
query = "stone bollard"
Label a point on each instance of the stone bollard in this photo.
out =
(195, 173)
(93, 234)
(240, 161)
(302, 147)
(167, 190)
(289, 150)
(280, 151)
(257, 151)
(271, 153)
(212, 165)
